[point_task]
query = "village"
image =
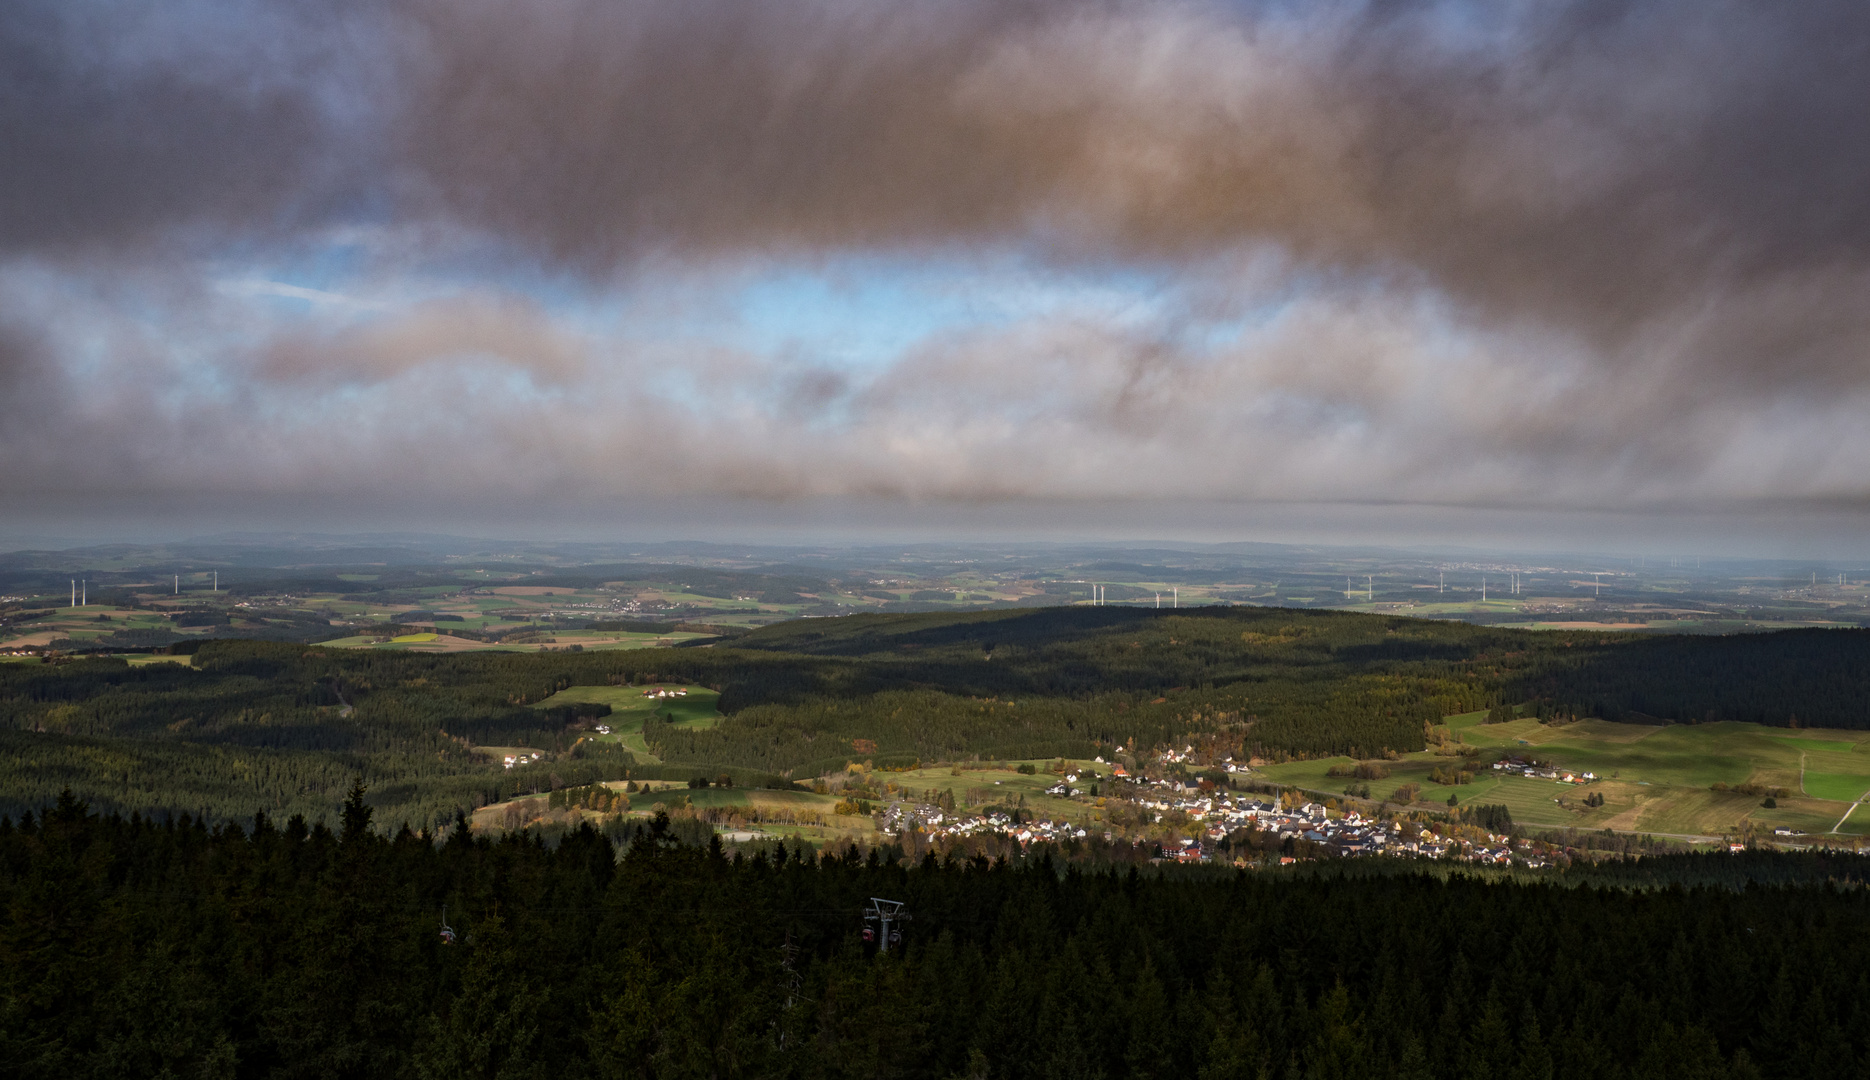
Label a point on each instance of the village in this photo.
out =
(1227, 826)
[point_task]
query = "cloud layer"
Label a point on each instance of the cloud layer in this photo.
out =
(1528, 255)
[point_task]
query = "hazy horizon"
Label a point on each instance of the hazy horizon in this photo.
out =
(1641, 544)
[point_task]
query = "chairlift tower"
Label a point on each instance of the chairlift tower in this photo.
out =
(883, 913)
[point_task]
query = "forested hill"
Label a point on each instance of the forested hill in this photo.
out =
(286, 728)
(133, 949)
(1815, 678)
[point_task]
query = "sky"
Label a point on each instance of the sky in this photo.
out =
(1541, 273)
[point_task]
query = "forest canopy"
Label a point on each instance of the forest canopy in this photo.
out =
(134, 948)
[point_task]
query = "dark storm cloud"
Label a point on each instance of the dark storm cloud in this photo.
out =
(120, 126)
(21, 368)
(1591, 164)
(1553, 254)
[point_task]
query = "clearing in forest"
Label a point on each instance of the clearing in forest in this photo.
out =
(676, 705)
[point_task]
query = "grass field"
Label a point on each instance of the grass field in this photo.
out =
(997, 785)
(973, 788)
(1844, 787)
(1817, 745)
(833, 828)
(1654, 779)
(629, 708)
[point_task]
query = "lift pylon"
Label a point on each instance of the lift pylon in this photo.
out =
(884, 915)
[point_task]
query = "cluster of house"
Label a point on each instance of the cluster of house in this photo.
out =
(1221, 814)
(660, 692)
(937, 824)
(1346, 834)
(521, 759)
(1522, 767)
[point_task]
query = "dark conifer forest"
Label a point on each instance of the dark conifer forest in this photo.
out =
(131, 948)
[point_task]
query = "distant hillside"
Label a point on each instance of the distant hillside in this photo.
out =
(286, 728)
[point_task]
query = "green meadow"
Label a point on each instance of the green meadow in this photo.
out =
(1842, 787)
(1652, 778)
(631, 708)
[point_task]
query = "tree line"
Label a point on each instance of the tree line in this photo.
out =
(129, 947)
